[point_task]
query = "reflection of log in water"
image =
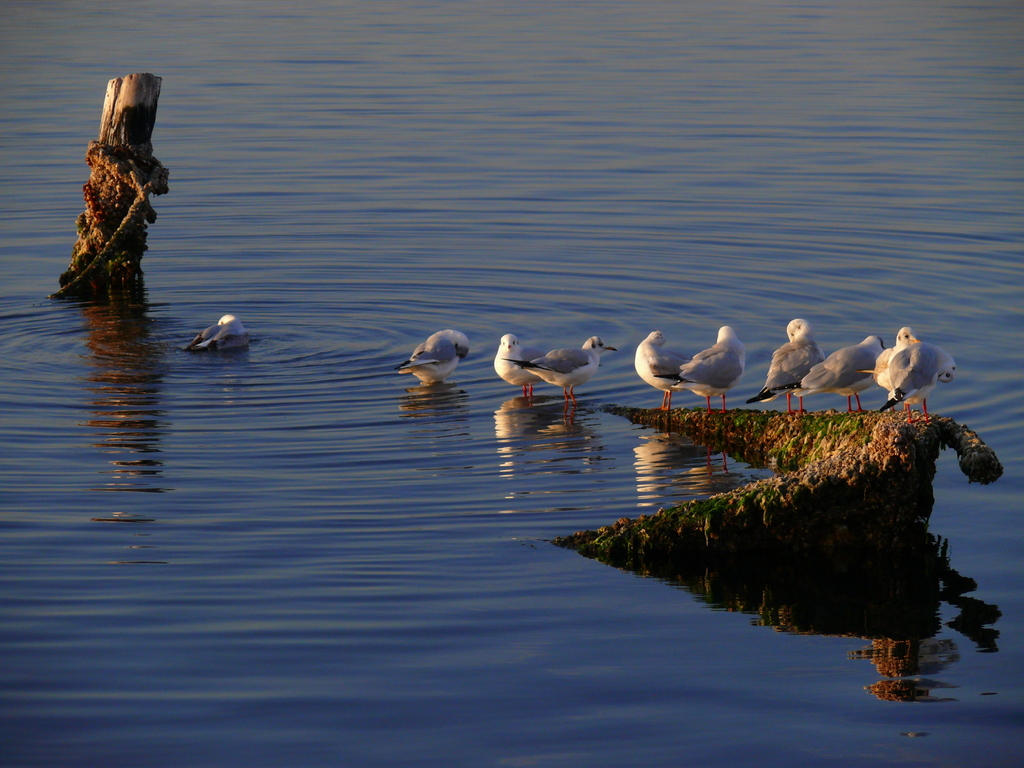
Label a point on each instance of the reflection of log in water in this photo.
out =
(857, 481)
(126, 381)
(893, 603)
(894, 599)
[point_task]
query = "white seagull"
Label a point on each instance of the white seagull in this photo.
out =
(509, 350)
(653, 363)
(913, 373)
(568, 367)
(844, 372)
(790, 363)
(433, 360)
(228, 333)
(880, 373)
(715, 370)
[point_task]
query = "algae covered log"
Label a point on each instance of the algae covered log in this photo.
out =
(106, 258)
(858, 481)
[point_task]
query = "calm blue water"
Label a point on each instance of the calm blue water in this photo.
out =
(290, 556)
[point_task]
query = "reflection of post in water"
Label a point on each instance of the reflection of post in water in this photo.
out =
(894, 605)
(126, 378)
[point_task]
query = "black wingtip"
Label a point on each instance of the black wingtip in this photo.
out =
(899, 396)
(764, 394)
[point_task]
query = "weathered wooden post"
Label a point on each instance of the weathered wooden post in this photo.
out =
(105, 260)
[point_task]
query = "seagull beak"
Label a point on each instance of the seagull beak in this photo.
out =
(611, 349)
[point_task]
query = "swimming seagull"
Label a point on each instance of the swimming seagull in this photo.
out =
(715, 370)
(844, 372)
(913, 373)
(790, 363)
(509, 350)
(568, 367)
(228, 333)
(652, 363)
(433, 360)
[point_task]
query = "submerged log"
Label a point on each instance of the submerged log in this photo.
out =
(846, 482)
(106, 259)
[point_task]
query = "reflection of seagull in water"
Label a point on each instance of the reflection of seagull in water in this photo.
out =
(433, 360)
(715, 370)
(668, 468)
(228, 333)
(790, 363)
(913, 373)
(653, 363)
(509, 350)
(568, 367)
(844, 372)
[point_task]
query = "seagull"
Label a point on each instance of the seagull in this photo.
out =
(228, 333)
(652, 363)
(844, 372)
(568, 367)
(715, 370)
(880, 373)
(790, 363)
(913, 373)
(433, 360)
(509, 350)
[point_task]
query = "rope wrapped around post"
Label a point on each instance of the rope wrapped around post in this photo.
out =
(106, 258)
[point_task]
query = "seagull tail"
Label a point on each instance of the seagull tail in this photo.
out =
(897, 397)
(764, 394)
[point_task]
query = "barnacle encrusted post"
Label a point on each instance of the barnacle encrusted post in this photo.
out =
(106, 259)
(859, 481)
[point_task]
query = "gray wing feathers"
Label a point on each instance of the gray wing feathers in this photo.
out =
(714, 367)
(841, 369)
(915, 367)
(563, 360)
(664, 363)
(791, 362)
(432, 351)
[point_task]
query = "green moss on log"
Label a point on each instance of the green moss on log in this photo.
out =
(859, 481)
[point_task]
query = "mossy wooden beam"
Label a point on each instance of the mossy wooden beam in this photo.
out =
(846, 482)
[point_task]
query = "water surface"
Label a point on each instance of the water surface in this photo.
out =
(293, 556)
